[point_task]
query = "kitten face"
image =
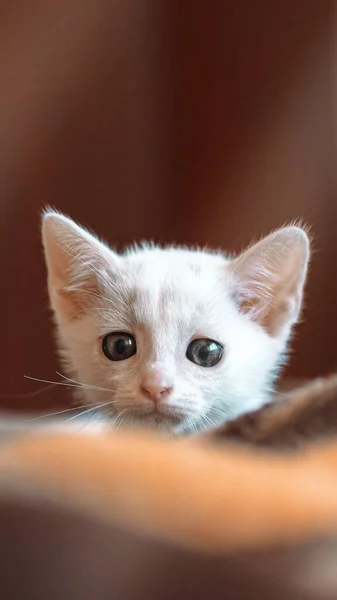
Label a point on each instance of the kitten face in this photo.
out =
(172, 337)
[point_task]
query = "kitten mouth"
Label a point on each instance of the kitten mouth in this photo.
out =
(160, 417)
(168, 414)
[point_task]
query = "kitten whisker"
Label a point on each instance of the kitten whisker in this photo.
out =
(86, 385)
(73, 383)
(28, 394)
(51, 382)
(208, 421)
(91, 409)
(122, 416)
(102, 416)
(94, 406)
(221, 412)
(54, 414)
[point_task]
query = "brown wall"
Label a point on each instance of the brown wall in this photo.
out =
(195, 122)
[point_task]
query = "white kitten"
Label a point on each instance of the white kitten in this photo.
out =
(175, 337)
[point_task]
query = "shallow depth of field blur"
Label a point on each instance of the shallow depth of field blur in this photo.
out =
(206, 122)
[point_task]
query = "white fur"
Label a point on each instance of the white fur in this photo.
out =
(165, 298)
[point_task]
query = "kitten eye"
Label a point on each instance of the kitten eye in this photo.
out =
(204, 352)
(119, 346)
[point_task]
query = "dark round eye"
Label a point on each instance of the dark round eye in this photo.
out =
(119, 346)
(204, 352)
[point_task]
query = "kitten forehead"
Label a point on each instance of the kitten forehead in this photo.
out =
(174, 276)
(169, 288)
(173, 257)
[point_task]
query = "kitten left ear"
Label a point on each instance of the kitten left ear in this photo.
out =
(269, 279)
(77, 264)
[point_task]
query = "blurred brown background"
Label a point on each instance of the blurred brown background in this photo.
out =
(189, 122)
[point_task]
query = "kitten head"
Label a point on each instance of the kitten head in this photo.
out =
(175, 337)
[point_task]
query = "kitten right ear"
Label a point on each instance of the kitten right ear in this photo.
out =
(78, 264)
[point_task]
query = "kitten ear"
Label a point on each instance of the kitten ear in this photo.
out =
(270, 277)
(77, 264)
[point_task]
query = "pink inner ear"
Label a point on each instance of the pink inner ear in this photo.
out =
(270, 277)
(77, 263)
(77, 288)
(74, 303)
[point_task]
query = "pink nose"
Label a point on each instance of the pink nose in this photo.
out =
(155, 387)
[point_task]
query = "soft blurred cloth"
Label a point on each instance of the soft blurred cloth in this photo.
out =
(49, 555)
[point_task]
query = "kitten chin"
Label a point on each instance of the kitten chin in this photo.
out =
(190, 334)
